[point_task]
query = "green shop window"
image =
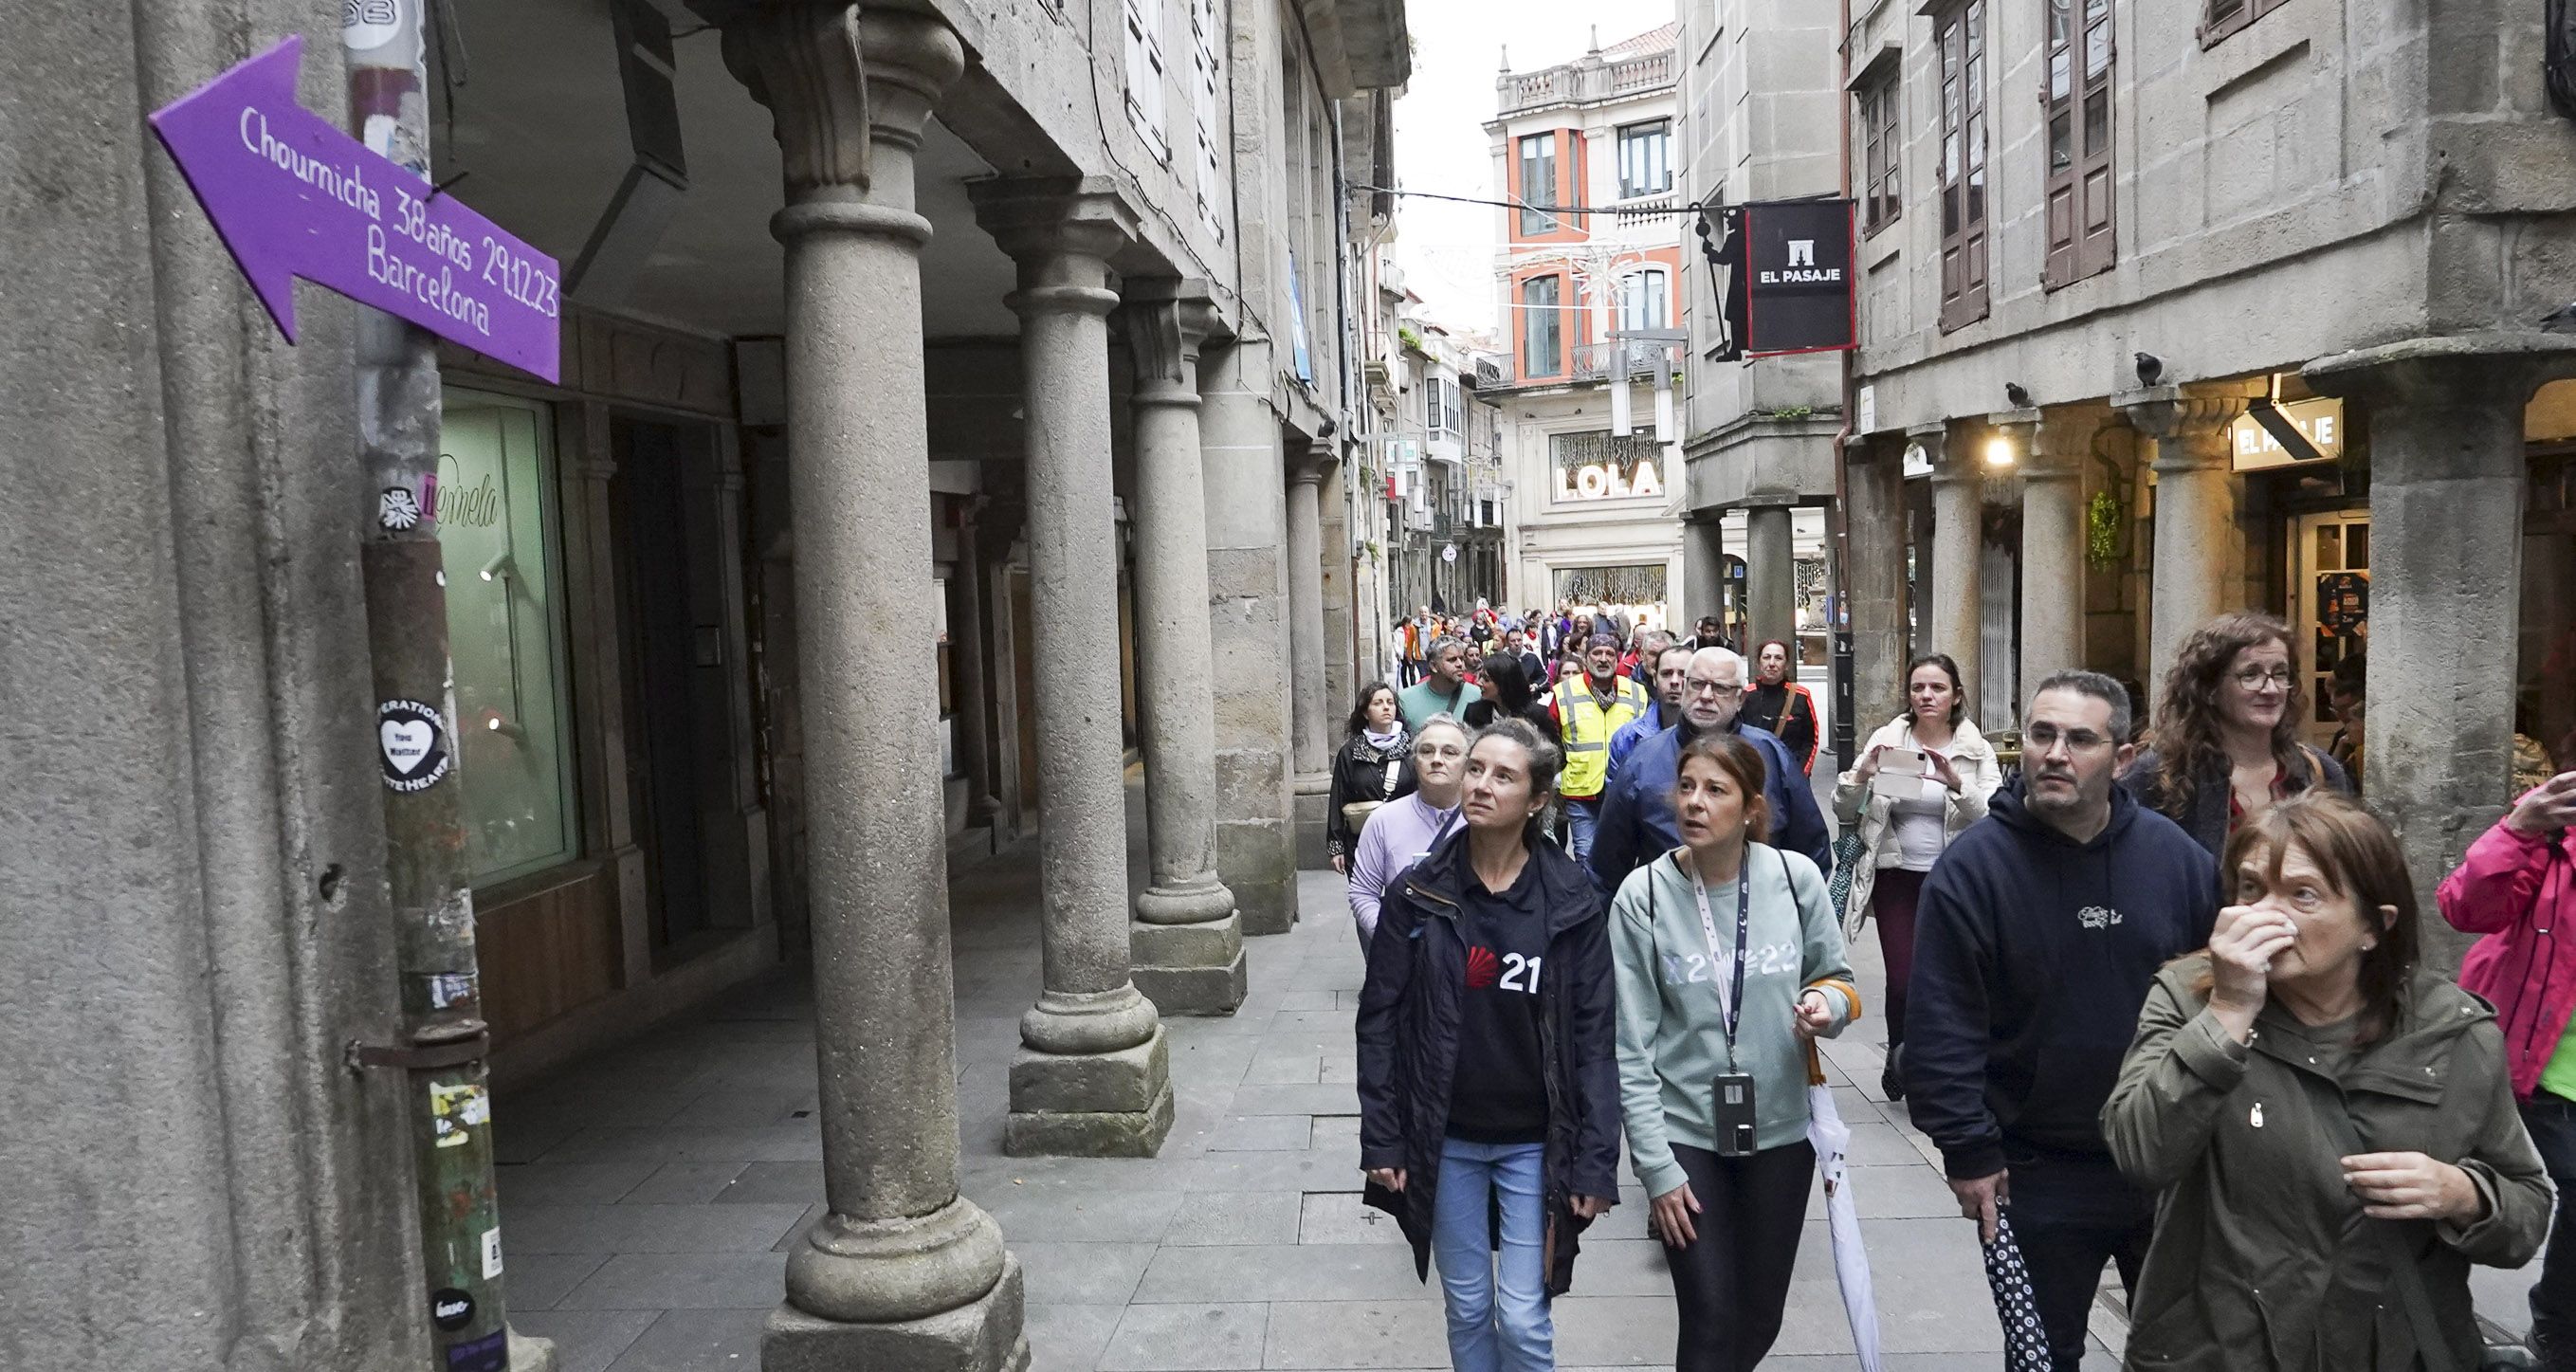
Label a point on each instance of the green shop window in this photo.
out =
(495, 522)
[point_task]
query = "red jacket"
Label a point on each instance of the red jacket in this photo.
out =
(2519, 890)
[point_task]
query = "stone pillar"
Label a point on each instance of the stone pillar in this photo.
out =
(1187, 942)
(2198, 571)
(1874, 543)
(1958, 513)
(1703, 572)
(969, 656)
(1247, 519)
(1309, 711)
(2448, 477)
(2051, 453)
(1770, 575)
(1092, 1076)
(902, 1271)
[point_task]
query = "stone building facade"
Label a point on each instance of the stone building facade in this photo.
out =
(953, 398)
(2103, 244)
(1592, 510)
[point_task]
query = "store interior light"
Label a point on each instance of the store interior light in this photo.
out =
(1999, 452)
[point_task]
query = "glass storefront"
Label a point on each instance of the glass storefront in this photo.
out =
(495, 510)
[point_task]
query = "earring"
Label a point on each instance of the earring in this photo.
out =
(2368, 946)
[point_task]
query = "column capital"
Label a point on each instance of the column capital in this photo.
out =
(1309, 468)
(2063, 439)
(1062, 231)
(2450, 369)
(1166, 321)
(2190, 426)
(836, 82)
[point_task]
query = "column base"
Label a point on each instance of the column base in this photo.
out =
(1090, 1105)
(1314, 794)
(531, 1354)
(983, 1335)
(1189, 969)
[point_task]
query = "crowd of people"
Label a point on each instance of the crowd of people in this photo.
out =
(2159, 1002)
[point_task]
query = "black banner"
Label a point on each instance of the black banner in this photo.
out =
(1789, 277)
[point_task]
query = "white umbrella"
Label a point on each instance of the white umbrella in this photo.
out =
(1832, 1140)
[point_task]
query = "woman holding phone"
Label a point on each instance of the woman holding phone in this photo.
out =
(1730, 964)
(1489, 1092)
(1925, 776)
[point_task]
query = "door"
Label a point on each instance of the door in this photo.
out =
(2330, 579)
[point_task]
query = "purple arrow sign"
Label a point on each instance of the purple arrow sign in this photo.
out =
(294, 196)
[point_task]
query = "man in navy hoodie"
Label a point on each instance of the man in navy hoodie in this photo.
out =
(2035, 939)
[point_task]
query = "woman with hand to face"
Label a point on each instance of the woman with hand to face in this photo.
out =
(1730, 964)
(1901, 838)
(2517, 886)
(1487, 1079)
(2332, 1126)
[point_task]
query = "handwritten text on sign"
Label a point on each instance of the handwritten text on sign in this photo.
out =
(293, 196)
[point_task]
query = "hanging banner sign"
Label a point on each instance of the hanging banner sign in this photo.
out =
(291, 195)
(1786, 276)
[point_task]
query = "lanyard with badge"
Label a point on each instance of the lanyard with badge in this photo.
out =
(1734, 1094)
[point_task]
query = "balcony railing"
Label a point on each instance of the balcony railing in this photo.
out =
(1597, 361)
(1586, 79)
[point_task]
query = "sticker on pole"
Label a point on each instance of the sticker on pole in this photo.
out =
(451, 1309)
(491, 1252)
(291, 195)
(490, 1353)
(454, 1111)
(368, 24)
(414, 744)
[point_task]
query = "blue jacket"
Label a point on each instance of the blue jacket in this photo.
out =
(1637, 824)
(1637, 730)
(2032, 958)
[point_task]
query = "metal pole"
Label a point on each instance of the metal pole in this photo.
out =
(444, 1035)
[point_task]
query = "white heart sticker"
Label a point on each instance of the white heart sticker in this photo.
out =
(406, 743)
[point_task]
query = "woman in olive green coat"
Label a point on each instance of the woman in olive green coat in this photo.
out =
(2316, 1109)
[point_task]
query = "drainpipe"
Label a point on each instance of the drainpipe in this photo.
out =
(1838, 520)
(444, 1038)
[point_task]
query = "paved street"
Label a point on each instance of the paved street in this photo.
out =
(650, 1194)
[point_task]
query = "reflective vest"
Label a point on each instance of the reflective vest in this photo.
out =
(1587, 728)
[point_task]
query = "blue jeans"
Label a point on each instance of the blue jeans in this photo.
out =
(1498, 1320)
(1581, 817)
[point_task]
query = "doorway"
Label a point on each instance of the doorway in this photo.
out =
(2330, 585)
(672, 635)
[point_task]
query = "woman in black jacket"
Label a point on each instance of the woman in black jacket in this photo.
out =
(1374, 766)
(2227, 731)
(1508, 694)
(1488, 1059)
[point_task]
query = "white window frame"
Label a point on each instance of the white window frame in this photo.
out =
(1146, 74)
(1634, 290)
(1623, 142)
(1205, 44)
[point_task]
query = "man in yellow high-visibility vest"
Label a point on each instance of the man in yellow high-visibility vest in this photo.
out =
(1588, 710)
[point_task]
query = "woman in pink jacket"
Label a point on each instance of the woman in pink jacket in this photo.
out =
(2517, 886)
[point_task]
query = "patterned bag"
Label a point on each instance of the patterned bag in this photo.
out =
(1838, 887)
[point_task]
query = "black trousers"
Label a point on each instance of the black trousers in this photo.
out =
(1732, 1283)
(2072, 1214)
(2551, 1118)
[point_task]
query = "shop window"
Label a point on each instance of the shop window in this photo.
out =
(495, 508)
(1645, 159)
(2077, 100)
(1881, 192)
(1542, 344)
(2220, 18)
(1538, 183)
(1961, 35)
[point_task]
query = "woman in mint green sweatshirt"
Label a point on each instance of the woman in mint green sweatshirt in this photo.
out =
(1729, 964)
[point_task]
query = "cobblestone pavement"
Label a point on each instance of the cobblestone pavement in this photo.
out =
(650, 1193)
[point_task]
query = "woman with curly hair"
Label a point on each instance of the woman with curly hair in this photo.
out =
(2227, 731)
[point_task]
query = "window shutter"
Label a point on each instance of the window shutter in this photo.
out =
(1961, 36)
(2082, 240)
(1145, 74)
(2098, 244)
(1204, 46)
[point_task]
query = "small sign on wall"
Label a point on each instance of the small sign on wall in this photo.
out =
(2320, 421)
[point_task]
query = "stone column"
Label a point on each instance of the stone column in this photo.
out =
(969, 656)
(1874, 505)
(1092, 1076)
(1308, 709)
(2448, 477)
(1703, 571)
(1187, 943)
(902, 1271)
(2200, 550)
(1958, 513)
(1247, 518)
(1770, 574)
(2051, 454)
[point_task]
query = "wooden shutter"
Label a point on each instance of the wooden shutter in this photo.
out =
(1962, 43)
(2082, 240)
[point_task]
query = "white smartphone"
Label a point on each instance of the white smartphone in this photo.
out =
(1902, 774)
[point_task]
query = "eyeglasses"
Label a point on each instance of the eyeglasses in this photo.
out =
(1720, 689)
(2256, 678)
(2042, 738)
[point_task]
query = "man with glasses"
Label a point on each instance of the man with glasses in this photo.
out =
(1637, 824)
(2035, 940)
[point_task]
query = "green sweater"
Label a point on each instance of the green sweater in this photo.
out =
(1672, 1022)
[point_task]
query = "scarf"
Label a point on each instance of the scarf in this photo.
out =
(1385, 742)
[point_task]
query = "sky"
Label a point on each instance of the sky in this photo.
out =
(1447, 250)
